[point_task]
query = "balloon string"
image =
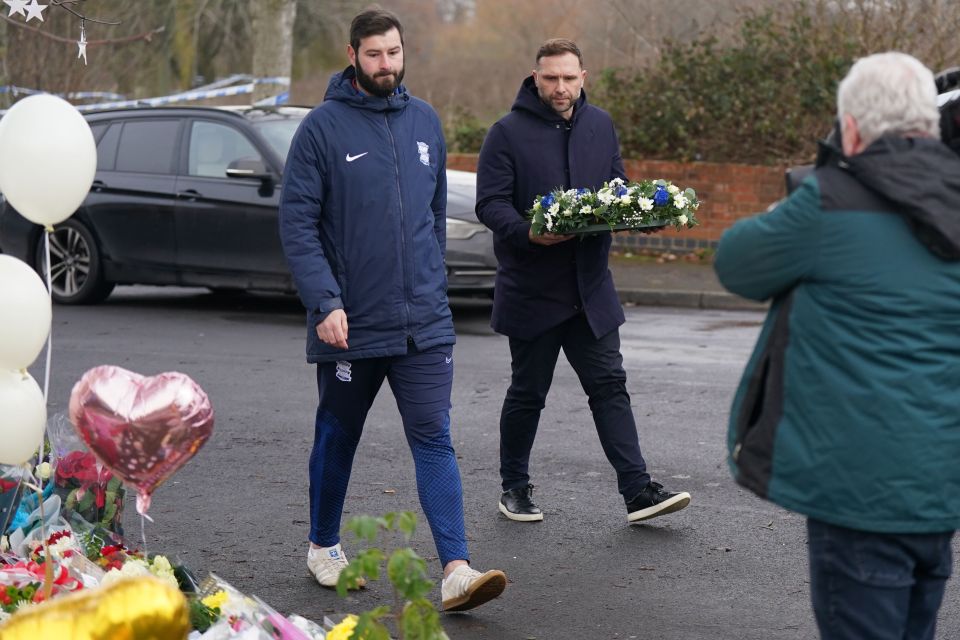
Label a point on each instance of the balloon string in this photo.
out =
(46, 370)
(143, 533)
(46, 373)
(47, 561)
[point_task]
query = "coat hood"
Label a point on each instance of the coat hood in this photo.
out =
(528, 99)
(921, 176)
(341, 89)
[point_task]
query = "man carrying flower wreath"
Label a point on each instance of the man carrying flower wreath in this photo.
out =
(555, 292)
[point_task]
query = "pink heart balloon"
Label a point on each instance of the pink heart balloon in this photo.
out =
(141, 428)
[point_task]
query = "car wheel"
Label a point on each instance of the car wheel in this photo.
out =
(76, 275)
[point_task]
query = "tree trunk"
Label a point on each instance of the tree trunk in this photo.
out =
(272, 22)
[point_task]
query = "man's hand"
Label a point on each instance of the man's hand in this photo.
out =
(547, 239)
(333, 329)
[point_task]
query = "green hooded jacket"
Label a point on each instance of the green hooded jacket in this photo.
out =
(849, 408)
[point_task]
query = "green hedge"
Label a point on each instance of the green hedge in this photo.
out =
(765, 98)
(764, 95)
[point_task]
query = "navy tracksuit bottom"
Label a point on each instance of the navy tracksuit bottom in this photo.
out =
(599, 366)
(421, 382)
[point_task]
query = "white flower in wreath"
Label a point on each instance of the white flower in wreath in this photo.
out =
(682, 219)
(616, 182)
(554, 208)
(568, 213)
(646, 204)
(680, 201)
(586, 209)
(605, 196)
(673, 189)
(625, 198)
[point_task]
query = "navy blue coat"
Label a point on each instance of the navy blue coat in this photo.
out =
(363, 221)
(528, 153)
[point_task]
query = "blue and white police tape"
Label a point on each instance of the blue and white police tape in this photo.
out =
(74, 95)
(188, 96)
(218, 89)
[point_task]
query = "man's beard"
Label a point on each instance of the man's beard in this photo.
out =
(546, 99)
(388, 82)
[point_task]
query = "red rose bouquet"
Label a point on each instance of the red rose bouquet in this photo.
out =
(90, 490)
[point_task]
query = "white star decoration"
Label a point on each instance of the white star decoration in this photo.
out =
(16, 7)
(35, 10)
(82, 44)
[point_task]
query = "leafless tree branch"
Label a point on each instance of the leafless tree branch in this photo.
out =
(147, 36)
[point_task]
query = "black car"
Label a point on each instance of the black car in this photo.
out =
(189, 196)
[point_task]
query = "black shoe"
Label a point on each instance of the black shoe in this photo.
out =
(517, 505)
(655, 501)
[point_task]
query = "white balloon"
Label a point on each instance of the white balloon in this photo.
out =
(47, 158)
(25, 314)
(23, 415)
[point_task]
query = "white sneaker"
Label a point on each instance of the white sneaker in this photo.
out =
(326, 563)
(466, 588)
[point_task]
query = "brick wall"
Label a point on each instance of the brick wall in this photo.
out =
(727, 192)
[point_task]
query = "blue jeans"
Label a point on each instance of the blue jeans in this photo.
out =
(876, 585)
(599, 366)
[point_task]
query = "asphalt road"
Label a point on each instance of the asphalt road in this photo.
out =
(729, 566)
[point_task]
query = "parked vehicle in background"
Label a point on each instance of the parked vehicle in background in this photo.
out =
(189, 196)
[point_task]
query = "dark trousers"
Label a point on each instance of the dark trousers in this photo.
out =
(421, 382)
(599, 366)
(876, 585)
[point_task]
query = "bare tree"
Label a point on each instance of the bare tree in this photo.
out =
(272, 42)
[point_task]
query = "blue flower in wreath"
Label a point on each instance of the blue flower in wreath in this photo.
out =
(661, 197)
(621, 191)
(582, 192)
(547, 201)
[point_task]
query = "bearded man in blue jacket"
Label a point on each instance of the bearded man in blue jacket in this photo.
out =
(849, 409)
(363, 226)
(555, 292)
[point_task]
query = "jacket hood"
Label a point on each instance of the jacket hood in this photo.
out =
(528, 99)
(922, 177)
(341, 89)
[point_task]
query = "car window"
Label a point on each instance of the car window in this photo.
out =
(107, 148)
(279, 134)
(213, 146)
(98, 129)
(147, 146)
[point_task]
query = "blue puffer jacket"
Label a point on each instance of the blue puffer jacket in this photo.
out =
(363, 221)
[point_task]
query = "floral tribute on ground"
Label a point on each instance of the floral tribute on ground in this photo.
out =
(617, 205)
(59, 563)
(76, 556)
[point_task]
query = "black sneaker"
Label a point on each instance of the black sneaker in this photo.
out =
(655, 501)
(517, 505)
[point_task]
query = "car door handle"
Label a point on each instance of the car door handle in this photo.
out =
(189, 194)
(98, 185)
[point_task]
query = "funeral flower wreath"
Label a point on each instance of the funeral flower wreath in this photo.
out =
(616, 205)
